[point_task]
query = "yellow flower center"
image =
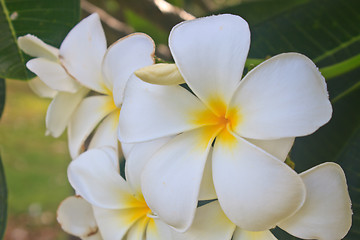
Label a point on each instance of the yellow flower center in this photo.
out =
(218, 121)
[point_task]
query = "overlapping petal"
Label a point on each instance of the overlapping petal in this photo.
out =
(76, 217)
(326, 213)
(53, 75)
(171, 179)
(123, 58)
(210, 223)
(89, 113)
(35, 47)
(210, 53)
(283, 97)
(207, 189)
(82, 52)
(41, 89)
(61, 109)
(246, 235)
(95, 177)
(158, 230)
(152, 111)
(254, 189)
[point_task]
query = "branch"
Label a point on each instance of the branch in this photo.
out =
(160, 12)
(106, 18)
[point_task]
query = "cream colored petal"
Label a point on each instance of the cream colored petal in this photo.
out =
(76, 217)
(210, 223)
(207, 189)
(161, 74)
(41, 89)
(61, 109)
(35, 47)
(158, 230)
(326, 213)
(241, 234)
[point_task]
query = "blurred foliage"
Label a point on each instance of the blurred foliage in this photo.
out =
(3, 200)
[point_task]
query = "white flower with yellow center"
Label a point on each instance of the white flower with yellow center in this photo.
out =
(326, 213)
(251, 125)
(84, 56)
(119, 207)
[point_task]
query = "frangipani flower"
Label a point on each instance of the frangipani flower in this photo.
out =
(52, 81)
(76, 217)
(326, 213)
(105, 71)
(119, 207)
(250, 123)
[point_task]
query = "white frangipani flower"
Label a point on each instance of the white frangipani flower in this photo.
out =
(326, 213)
(119, 207)
(253, 122)
(53, 82)
(76, 217)
(105, 71)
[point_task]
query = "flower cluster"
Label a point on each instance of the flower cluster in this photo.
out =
(189, 131)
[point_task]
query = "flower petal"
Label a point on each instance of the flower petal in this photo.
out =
(35, 47)
(137, 159)
(115, 223)
(138, 230)
(254, 189)
(95, 177)
(210, 223)
(279, 148)
(82, 52)
(210, 53)
(207, 189)
(171, 179)
(41, 89)
(61, 109)
(161, 74)
(326, 213)
(158, 230)
(241, 234)
(152, 111)
(53, 75)
(283, 97)
(106, 133)
(84, 120)
(76, 217)
(123, 58)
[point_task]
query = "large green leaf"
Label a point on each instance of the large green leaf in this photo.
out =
(3, 201)
(49, 20)
(328, 32)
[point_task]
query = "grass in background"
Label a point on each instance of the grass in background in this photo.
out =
(35, 166)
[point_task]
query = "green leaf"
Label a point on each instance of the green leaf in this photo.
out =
(3, 200)
(2, 95)
(48, 20)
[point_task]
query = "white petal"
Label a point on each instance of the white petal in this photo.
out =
(95, 177)
(161, 74)
(114, 223)
(53, 75)
(76, 217)
(126, 148)
(241, 234)
(138, 230)
(41, 89)
(285, 96)
(158, 230)
(153, 111)
(210, 223)
(82, 52)
(61, 109)
(210, 53)
(138, 157)
(123, 58)
(279, 148)
(255, 190)
(207, 189)
(326, 213)
(171, 179)
(84, 120)
(35, 47)
(106, 133)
